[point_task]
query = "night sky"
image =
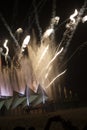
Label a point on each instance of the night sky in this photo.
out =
(20, 13)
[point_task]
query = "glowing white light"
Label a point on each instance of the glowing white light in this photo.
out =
(19, 30)
(55, 78)
(48, 32)
(84, 19)
(25, 42)
(6, 47)
(72, 17)
(55, 20)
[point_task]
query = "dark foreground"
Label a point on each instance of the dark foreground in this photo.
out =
(78, 117)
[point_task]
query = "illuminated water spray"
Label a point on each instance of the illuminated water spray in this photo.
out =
(42, 65)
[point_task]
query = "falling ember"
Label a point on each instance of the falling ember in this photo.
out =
(9, 30)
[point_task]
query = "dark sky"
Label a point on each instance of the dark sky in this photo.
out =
(17, 14)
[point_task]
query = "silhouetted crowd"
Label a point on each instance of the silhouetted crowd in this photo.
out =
(66, 125)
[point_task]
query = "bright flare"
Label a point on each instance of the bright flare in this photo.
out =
(72, 17)
(84, 19)
(25, 42)
(6, 47)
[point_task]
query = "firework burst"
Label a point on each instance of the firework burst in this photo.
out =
(42, 63)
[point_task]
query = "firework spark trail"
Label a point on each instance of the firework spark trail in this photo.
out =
(42, 56)
(22, 49)
(9, 30)
(25, 42)
(68, 39)
(37, 20)
(72, 17)
(46, 75)
(21, 73)
(61, 24)
(55, 56)
(68, 34)
(84, 19)
(55, 79)
(47, 33)
(7, 50)
(71, 28)
(51, 61)
(1, 53)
